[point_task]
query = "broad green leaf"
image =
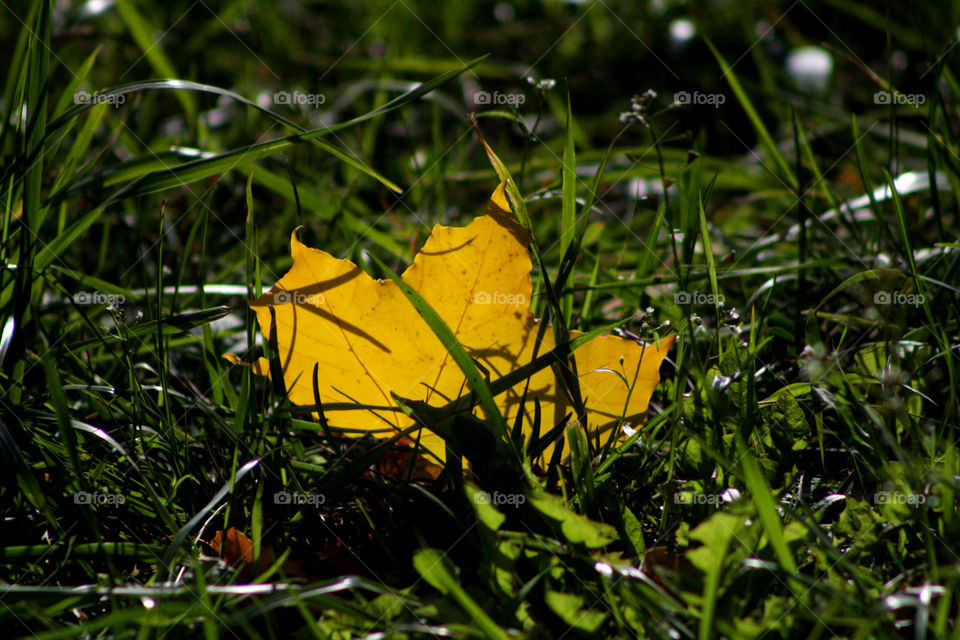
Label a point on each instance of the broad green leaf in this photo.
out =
(717, 533)
(576, 528)
(569, 607)
(438, 571)
(486, 512)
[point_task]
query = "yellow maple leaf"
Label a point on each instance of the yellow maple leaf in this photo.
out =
(370, 342)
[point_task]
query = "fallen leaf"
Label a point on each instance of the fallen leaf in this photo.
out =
(236, 549)
(369, 341)
(402, 463)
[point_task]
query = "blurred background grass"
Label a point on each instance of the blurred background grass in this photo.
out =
(356, 58)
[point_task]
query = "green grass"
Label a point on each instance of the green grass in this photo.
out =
(798, 473)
